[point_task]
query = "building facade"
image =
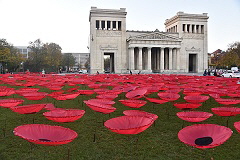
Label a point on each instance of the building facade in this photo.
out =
(24, 50)
(80, 60)
(181, 48)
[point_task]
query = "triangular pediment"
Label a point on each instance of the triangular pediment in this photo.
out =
(155, 36)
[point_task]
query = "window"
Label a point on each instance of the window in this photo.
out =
(103, 25)
(119, 25)
(114, 25)
(108, 25)
(97, 24)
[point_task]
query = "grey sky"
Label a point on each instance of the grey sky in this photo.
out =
(65, 22)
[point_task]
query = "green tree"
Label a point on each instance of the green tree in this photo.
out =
(87, 63)
(37, 56)
(229, 59)
(232, 55)
(68, 60)
(53, 55)
(10, 58)
(234, 48)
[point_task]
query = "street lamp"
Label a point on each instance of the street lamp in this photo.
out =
(22, 66)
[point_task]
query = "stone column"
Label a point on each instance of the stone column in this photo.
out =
(162, 60)
(190, 28)
(185, 27)
(174, 59)
(170, 59)
(116, 25)
(131, 58)
(178, 58)
(149, 64)
(157, 59)
(194, 29)
(100, 24)
(140, 58)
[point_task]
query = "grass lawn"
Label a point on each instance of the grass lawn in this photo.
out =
(160, 141)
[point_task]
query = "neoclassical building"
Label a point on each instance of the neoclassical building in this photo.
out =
(183, 47)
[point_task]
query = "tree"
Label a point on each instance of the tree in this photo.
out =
(232, 56)
(9, 57)
(53, 55)
(68, 60)
(36, 59)
(87, 63)
(234, 48)
(229, 59)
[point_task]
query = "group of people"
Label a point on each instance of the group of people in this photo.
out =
(215, 73)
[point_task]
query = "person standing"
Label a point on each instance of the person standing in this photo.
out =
(209, 72)
(205, 73)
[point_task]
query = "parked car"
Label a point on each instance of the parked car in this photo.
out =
(83, 71)
(231, 74)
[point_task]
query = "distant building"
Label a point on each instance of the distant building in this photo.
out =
(24, 50)
(81, 59)
(182, 47)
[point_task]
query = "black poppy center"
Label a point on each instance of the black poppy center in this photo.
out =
(44, 140)
(204, 141)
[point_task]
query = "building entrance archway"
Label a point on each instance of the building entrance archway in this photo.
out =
(109, 62)
(192, 66)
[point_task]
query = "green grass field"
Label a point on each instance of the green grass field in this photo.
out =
(160, 141)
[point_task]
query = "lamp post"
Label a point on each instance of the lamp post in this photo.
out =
(22, 67)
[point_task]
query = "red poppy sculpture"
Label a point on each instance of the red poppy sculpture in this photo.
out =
(133, 103)
(100, 107)
(107, 96)
(11, 102)
(64, 115)
(194, 116)
(35, 95)
(66, 96)
(237, 126)
(140, 113)
(204, 135)
(6, 92)
(49, 106)
(227, 101)
(128, 124)
(196, 99)
(21, 91)
(156, 100)
(28, 109)
(45, 134)
(169, 96)
(102, 101)
(136, 94)
(186, 106)
(86, 92)
(226, 111)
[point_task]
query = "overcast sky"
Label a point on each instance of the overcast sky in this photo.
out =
(66, 22)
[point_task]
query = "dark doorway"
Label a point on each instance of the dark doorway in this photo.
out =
(109, 62)
(192, 63)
